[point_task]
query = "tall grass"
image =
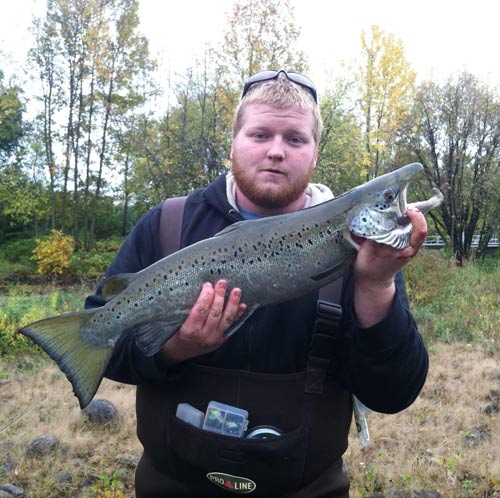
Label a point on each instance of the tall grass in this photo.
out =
(455, 304)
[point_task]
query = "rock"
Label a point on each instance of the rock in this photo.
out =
(43, 445)
(399, 493)
(376, 495)
(64, 478)
(494, 395)
(4, 494)
(128, 461)
(12, 490)
(490, 409)
(101, 411)
(477, 436)
(6, 466)
(427, 494)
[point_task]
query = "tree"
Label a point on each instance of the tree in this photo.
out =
(386, 89)
(340, 161)
(11, 117)
(455, 132)
(91, 59)
(261, 34)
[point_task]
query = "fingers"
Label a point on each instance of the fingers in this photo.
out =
(418, 235)
(377, 264)
(211, 315)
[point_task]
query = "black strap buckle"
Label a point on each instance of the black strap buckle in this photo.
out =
(328, 316)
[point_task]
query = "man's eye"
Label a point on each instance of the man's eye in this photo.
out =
(295, 140)
(260, 136)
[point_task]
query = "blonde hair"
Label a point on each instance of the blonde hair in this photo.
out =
(281, 93)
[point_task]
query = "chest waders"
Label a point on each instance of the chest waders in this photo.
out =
(310, 407)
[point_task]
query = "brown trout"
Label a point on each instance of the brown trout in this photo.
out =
(271, 260)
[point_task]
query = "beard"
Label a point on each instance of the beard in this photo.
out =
(270, 195)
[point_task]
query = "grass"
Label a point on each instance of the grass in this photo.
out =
(447, 441)
(455, 304)
(23, 304)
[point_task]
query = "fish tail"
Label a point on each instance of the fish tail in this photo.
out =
(82, 363)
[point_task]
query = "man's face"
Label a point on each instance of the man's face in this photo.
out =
(273, 156)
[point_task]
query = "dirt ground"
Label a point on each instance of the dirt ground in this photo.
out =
(447, 441)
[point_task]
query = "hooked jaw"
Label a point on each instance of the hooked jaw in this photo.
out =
(400, 238)
(385, 221)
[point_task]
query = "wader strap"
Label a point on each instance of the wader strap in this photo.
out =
(324, 336)
(172, 213)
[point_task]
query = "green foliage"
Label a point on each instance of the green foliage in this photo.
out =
(386, 86)
(109, 245)
(371, 484)
(11, 117)
(453, 129)
(90, 265)
(453, 303)
(109, 486)
(21, 305)
(53, 253)
(18, 251)
(340, 161)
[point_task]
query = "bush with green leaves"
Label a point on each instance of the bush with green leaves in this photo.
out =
(90, 265)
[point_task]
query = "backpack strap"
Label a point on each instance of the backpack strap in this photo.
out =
(172, 214)
(325, 335)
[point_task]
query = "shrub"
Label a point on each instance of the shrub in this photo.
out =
(19, 251)
(109, 245)
(53, 254)
(90, 264)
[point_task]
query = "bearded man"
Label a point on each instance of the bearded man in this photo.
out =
(265, 367)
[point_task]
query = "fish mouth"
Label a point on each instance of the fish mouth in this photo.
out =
(384, 220)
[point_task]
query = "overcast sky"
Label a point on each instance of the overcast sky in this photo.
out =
(440, 37)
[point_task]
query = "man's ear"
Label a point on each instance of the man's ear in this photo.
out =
(315, 157)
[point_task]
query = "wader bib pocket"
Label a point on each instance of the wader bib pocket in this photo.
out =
(309, 445)
(196, 454)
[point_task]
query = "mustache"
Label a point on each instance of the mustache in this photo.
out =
(274, 169)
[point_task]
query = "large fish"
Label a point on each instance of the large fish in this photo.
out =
(272, 260)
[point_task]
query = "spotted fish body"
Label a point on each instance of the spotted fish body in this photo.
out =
(271, 260)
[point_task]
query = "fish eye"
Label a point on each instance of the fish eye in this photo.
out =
(389, 195)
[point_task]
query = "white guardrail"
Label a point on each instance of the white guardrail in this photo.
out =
(437, 241)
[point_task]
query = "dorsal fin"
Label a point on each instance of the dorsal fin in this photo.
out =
(116, 284)
(230, 228)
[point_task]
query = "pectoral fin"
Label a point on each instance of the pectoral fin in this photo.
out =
(152, 336)
(234, 328)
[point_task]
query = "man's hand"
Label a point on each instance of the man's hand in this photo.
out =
(376, 266)
(204, 328)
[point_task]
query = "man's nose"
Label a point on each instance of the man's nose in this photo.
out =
(276, 150)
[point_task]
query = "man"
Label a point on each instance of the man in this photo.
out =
(263, 368)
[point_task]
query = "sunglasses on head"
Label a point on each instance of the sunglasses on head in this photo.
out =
(297, 78)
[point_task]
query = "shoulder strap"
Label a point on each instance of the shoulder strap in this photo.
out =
(172, 214)
(325, 336)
